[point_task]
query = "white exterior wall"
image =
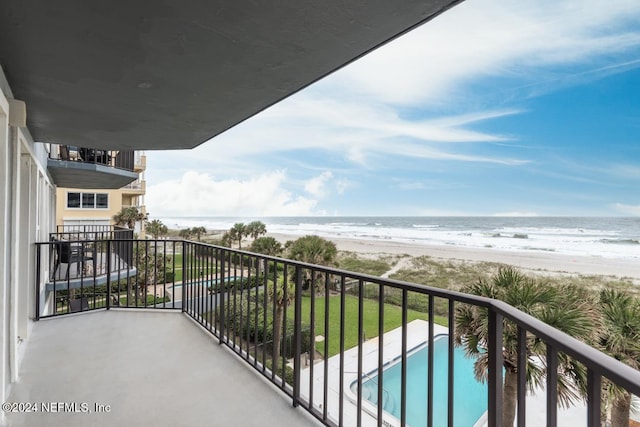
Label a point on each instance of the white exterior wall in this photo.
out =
(27, 215)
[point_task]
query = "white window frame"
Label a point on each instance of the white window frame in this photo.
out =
(82, 207)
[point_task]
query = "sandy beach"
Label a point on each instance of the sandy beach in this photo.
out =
(538, 262)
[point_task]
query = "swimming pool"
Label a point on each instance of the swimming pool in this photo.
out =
(470, 396)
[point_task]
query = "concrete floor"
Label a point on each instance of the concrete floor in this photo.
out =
(152, 369)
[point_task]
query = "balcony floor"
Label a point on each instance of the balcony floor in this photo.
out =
(153, 369)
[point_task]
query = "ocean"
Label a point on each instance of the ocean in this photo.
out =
(614, 237)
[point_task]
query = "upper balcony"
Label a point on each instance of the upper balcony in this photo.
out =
(78, 167)
(140, 163)
(341, 345)
(139, 186)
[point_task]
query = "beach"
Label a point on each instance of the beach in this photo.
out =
(535, 262)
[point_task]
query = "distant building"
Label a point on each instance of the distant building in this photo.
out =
(86, 206)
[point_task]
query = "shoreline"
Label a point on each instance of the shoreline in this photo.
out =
(537, 262)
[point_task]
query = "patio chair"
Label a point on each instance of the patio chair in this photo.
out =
(78, 304)
(69, 253)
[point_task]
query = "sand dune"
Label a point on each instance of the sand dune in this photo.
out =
(530, 260)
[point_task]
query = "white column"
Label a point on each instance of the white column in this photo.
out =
(5, 179)
(17, 234)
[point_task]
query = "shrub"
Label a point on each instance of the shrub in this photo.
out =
(244, 326)
(288, 371)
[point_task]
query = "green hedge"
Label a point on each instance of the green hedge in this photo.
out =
(244, 283)
(258, 333)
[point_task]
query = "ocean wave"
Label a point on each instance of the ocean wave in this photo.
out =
(514, 235)
(348, 224)
(621, 241)
(561, 231)
(425, 226)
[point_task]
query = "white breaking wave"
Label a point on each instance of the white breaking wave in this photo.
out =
(592, 237)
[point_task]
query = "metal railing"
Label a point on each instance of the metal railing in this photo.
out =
(276, 313)
(121, 159)
(85, 228)
(91, 232)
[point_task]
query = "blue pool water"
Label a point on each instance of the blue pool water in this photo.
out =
(470, 396)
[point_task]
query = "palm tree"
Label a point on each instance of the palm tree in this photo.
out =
(567, 308)
(226, 239)
(199, 231)
(238, 232)
(255, 229)
(312, 250)
(282, 300)
(156, 228)
(620, 338)
(129, 216)
(266, 246)
(186, 233)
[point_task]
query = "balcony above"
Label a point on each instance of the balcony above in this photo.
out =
(77, 167)
(140, 164)
(136, 187)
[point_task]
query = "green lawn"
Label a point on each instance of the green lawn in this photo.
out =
(150, 300)
(392, 320)
(211, 270)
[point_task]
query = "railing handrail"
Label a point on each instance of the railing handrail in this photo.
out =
(119, 159)
(92, 236)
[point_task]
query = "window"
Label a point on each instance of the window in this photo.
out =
(87, 200)
(102, 201)
(73, 200)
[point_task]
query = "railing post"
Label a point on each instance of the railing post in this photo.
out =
(495, 368)
(108, 273)
(594, 391)
(222, 291)
(184, 276)
(37, 284)
(297, 333)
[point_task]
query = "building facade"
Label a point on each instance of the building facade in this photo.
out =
(91, 206)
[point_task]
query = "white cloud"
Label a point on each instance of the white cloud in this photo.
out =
(343, 184)
(625, 171)
(627, 209)
(199, 194)
(317, 186)
(520, 40)
(355, 131)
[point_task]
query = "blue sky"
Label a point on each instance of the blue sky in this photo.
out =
(523, 108)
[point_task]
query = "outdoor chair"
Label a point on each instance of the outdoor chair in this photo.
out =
(69, 253)
(78, 304)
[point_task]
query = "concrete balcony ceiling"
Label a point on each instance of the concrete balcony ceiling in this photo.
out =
(142, 74)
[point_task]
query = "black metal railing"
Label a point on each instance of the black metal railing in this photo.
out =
(85, 228)
(83, 275)
(121, 159)
(91, 232)
(330, 339)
